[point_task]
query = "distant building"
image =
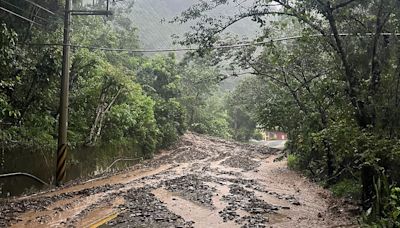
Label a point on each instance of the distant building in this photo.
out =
(275, 135)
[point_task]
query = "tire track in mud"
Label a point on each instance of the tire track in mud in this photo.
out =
(200, 182)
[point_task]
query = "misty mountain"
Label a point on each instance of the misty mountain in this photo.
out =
(152, 20)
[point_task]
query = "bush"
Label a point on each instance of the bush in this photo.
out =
(258, 135)
(346, 188)
(389, 215)
(293, 161)
(171, 122)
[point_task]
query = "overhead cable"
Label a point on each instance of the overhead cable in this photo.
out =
(238, 45)
(20, 16)
(41, 7)
(22, 10)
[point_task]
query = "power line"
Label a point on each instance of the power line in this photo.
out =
(238, 45)
(16, 7)
(41, 7)
(21, 9)
(20, 16)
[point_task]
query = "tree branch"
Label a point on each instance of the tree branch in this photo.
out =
(343, 4)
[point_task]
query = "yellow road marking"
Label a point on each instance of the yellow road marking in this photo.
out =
(104, 220)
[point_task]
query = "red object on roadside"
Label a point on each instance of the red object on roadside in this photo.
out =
(275, 135)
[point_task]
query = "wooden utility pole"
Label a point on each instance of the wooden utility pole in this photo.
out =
(63, 119)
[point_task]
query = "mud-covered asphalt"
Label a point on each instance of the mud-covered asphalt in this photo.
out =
(201, 182)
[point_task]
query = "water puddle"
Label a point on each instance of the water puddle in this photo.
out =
(202, 216)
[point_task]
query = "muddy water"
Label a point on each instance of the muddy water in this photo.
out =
(194, 184)
(81, 163)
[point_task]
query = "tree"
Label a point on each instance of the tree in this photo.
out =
(242, 105)
(160, 79)
(357, 41)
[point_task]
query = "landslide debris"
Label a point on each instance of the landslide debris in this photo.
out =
(143, 209)
(241, 162)
(225, 178)
(240, 198)
(193, 188)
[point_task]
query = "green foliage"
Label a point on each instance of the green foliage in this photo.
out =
(293, 161)
(346, 188)
(211, 118)
(336, 94)
(202, 99)
(171, 121)
(258, 135)
(393, 207)
(107, 105)
(160, 79)
(8, 50)
(386, 209)
(241, 104)
(28, 82)
(115, 98)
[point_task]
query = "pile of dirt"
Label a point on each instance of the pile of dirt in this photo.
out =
(240, 198)
(193, 188)
(188, 154)
(241, 162)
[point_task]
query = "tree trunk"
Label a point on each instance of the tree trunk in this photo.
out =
(329, 161)
(101, 111)
(367, 174)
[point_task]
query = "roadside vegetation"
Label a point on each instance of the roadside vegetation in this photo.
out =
(331, 83)
(119, 98)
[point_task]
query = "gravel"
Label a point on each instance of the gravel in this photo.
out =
(241, 162)
(241, 198)
(193, 188)
(143, 209)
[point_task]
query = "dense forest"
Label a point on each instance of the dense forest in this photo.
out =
(116, 97)
(325, 72)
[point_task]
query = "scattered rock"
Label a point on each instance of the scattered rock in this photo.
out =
(193, 188)
(241, 162)
(143, 209)
(240, 198)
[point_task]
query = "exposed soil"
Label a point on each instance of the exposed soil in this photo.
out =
(201, 182)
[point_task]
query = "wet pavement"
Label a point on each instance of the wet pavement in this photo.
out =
(201, 182)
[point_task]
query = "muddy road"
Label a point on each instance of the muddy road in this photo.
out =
(201, 182)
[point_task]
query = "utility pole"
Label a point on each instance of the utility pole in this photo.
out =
(63, 119)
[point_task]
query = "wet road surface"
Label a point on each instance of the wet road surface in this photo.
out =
(201, 182)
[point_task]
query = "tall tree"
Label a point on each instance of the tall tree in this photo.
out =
(357, 35)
